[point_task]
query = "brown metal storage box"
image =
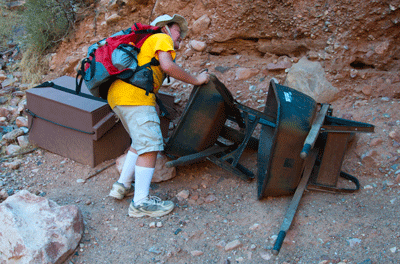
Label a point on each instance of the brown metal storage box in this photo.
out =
(72, 126)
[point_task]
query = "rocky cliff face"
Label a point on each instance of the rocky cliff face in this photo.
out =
(354, 42)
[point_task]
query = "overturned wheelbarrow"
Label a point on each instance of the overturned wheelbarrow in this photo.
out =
(300, 143)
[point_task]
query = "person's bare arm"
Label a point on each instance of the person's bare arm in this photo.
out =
(173, 70)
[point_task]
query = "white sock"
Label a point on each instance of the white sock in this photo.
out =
(143, 176)
(128, 169)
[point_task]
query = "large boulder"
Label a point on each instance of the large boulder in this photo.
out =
(36, 230)
(308, 77)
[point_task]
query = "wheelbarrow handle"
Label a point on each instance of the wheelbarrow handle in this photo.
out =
(188, 159)
(279, 242)
(314, 131)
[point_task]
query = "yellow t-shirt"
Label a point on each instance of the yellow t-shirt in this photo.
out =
(122, 93)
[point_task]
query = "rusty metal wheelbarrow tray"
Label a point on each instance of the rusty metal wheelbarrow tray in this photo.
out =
(279, 163)
(200, 124)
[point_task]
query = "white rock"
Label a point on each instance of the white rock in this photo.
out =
(254, 227)
(41, 230)
(233, 245)
(23, 141)
(198, 45)
(12, 149)
(265, 255)
(196, 253)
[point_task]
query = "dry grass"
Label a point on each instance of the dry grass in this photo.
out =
(33, 66)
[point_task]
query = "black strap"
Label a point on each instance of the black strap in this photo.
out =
(124, 47)
(81, 74)
(36, 116)
(58, 87)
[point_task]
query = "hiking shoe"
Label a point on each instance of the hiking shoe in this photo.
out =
(151, 206)
(118, 191)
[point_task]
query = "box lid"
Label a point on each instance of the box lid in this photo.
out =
(69, 109)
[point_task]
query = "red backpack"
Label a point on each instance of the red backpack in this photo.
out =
(114, 58)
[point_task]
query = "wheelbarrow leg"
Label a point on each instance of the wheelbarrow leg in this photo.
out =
(287, 221)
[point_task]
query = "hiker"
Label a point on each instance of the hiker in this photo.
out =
(138, 115)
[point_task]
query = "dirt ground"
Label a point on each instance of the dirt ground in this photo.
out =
(328, 228)
(359, 228)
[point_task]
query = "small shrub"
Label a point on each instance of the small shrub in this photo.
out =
(47, 22)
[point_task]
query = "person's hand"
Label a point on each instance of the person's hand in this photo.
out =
(203, 78)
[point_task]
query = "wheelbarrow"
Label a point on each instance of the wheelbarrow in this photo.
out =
(323, 153)
(203, 131)
(300, 142)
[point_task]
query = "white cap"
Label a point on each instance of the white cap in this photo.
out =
(166, 19)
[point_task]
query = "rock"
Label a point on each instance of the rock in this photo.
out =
(201, 24)
(382, 47)
(375, 142)
(3, 194)
(265, 255)
(309, 78)
(354, 242)
(233, 245)
(8, 82)
(21, 106)
(18, 94)
(14, 101)
(221, 244)
(367, 90)
(245, 73)
(198, 45)
(12, 149)
(4, 111)
(369, 157)
(210, 198)
(36, 230)
(184, 194)
(112, 19)
(2, 76)
(222, 69)
(12, 136)
(397, 180)
(312, 55)
(395, 135)
(196, 253)
(161, 172)
(3, 99)
(21, 121)
(13, 165)
(254, 227)
(217, 50)
(281, 65)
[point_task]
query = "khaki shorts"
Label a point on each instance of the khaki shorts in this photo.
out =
(143, 125)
